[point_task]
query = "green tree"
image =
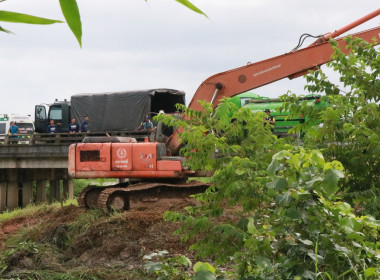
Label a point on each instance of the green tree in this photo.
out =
(350, 130)
(275, 209)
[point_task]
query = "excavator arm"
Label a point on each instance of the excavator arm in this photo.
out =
(291, 65)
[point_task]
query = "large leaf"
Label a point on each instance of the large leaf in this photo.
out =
(71, 13)
(204, 275)
(191, 6)
(331, 181)
(23, 18)
(263, 263)
(203, 266)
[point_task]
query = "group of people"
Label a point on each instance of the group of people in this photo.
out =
(74, 127)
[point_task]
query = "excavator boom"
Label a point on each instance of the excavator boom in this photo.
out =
(290, 65)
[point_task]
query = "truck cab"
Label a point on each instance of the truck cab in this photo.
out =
(24, 123)
(59, 111)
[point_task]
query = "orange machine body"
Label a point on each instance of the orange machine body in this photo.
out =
(121, 160)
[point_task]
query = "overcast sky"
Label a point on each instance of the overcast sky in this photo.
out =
(132, 44)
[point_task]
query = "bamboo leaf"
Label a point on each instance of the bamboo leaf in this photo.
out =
(24, 18)
(4, 30)
(191, 6)
(70, 11)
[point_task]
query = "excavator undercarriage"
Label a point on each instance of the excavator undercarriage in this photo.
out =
(126, 196)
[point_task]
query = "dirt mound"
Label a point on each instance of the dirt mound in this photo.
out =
(72, 237)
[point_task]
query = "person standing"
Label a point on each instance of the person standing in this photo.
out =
(52, 127)
(84, 125)
(270, 119)
(147, 124)
(13, 130)
(73, 126)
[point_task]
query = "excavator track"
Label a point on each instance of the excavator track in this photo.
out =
(125, 196)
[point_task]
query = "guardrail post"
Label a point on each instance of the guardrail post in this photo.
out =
(27, 193)
(54, 194)
(3, 196)
(68, 189)
(41, 191)
(6, 140)
(12, 189)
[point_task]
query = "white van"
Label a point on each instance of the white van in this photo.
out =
(24, 123)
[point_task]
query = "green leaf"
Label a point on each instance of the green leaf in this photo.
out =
(204, 275)
(23, 18)
(370, 271)
(191, 6)
(315, 257)
(309, 275)
(240, 171)
(184, 261)
(263, 263)
(5, 30)
(331, 181)
(341, 249)
(344, 207)
(284, 199)
(203, 266)
(306, 242)
(293, 214)
(251, 226)
(279, 184)
(318, 158)
(152, 267)
(71, 13)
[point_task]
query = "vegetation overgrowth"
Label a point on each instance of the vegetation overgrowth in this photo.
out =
(291, 211)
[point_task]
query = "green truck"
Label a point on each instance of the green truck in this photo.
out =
(283, 123)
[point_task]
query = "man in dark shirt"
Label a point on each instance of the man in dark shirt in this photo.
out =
(52, 127)
(84, 125)
(147, 124)
(73, 126)
(270, 119)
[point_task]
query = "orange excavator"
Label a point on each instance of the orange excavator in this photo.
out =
(155, 172)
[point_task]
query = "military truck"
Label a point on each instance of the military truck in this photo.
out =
(110, 111)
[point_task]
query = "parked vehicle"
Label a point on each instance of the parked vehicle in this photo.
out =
(24, 123)
(111, 111)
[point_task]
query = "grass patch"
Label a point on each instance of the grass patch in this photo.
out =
(124, 273)
(32, 210)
